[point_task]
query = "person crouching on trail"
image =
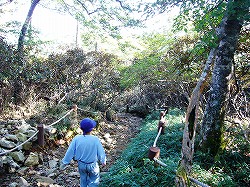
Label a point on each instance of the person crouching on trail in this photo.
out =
(87, 150)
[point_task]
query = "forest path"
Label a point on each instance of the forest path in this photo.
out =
(115, 135)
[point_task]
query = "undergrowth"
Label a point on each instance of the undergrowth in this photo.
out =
(133, 168)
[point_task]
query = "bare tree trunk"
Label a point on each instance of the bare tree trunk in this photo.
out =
(18, 83)
(192, 114)
(26, 24)
(212, 125)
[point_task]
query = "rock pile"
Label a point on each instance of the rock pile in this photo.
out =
(24, 163)
(12, 134)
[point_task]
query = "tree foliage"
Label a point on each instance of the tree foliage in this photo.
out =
(164, 73)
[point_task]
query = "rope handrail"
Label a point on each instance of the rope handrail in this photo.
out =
(61, 118)
(156, 156)
(159, 133)
(82, 109)
(3, 153)
(190, 178)
(6, 152)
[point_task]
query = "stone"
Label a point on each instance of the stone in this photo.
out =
(32, 160)
(52, 172)
(106, 136)
(53, 175)
(3, 131)
(6, 159)
(24, 127)
(21, 137)
(13, 184)
(102, 141)
(7, 144)
(9, 127)
(31, 133)
(13, 122)
(18, 156)
(23, 182)
(60, 142)
(11, 137)
(13, 167)
(109, 140)
(69, 134)
(53, 163)
(50, 130)
(44, 181)
(27, 146)
(74, 174)
(22, 170)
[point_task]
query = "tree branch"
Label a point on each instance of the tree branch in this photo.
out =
(9, 1)
(122, 5)
(26, 24)
(85, 8)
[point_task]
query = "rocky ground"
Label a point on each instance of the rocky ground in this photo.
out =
(115, 136)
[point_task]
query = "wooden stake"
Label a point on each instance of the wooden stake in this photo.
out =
(40, 134)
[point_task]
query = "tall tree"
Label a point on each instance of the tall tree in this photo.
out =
(33, 5)
(206, 15)
(18, 82)
(212, 125)
(228, 33)
(191, 121)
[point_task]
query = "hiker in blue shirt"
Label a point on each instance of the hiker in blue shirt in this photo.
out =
(87, 150)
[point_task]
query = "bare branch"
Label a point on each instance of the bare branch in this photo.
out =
(85, 8)
(67, 7)
(122, 5)
(8, 1)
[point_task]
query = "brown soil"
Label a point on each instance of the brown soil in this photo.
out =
(120, 132)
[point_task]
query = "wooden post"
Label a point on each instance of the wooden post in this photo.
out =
(162, 122)
(154, 152)
(40, 134)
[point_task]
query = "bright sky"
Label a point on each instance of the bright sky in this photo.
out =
(52, 25)
(57, 27)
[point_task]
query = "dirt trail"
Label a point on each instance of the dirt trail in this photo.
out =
(115, 137)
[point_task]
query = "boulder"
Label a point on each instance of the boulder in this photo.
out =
(30, 133)
(3, 131)
(21, 137)
(24, 127)
(27, 146)
(18, 156)
(7, 144)
(32, 160)
(6, 159)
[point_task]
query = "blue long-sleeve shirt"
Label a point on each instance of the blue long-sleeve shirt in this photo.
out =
(85, 148)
